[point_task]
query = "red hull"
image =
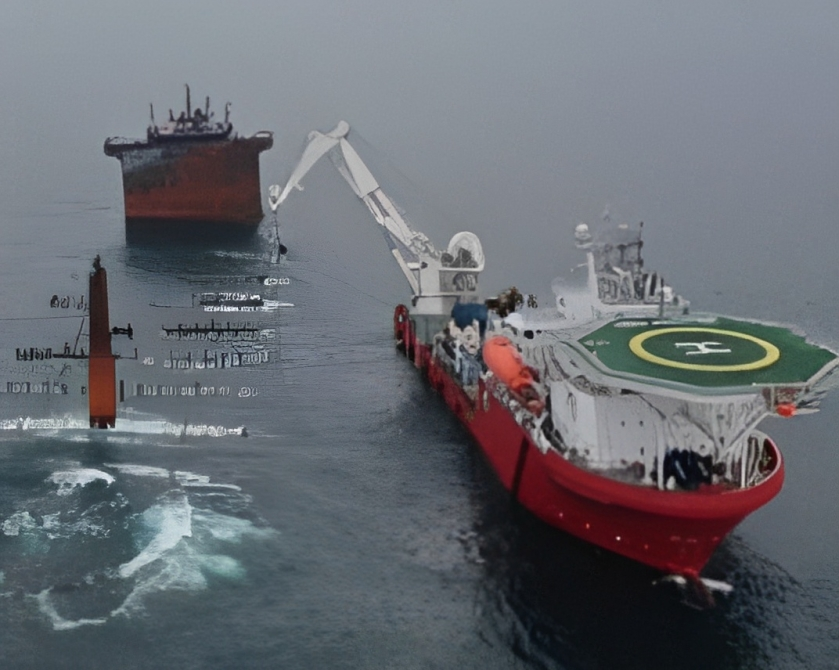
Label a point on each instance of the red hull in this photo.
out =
(211, 181)
(676, 532)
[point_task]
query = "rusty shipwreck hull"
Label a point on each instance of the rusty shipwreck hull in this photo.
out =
(214, 181)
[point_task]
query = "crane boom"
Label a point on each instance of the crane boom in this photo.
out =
(436, 278)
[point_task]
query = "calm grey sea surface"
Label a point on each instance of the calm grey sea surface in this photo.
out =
(356, 525)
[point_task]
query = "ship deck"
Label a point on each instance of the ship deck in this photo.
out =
(716, 352)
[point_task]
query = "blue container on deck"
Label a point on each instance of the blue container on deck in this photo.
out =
(464, 313)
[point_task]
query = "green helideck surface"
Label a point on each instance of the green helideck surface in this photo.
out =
(743, 354)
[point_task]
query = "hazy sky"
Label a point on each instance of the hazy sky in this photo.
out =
(717, 123)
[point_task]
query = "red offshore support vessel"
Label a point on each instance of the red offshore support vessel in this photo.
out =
(616, 414)
(192, 168)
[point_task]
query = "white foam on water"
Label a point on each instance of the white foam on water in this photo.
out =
(51, 423)
(171, 522)
(179, 546)
(185, 478)
(51, 526)
(138, 470)
(68, 480)
(223, 566)
(190, 479)
(710, 584)
(189, 559)
(19, 521)
(177, 570)
(125, 426)
(223, 487)
(125, 439)
(51, 522)
(59, 622)
(201, 430)
(717, 585)
(142, 426)
(56, 529)
(227, 528)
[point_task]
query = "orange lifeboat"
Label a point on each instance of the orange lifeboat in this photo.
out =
(505, 362)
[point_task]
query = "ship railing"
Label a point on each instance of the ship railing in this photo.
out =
(517, 407)
(463, 367)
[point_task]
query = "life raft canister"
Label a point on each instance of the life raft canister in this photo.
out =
(505, 361)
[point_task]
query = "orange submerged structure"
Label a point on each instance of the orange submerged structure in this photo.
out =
(102, 398)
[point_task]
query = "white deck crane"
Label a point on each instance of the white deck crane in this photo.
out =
(438, 279)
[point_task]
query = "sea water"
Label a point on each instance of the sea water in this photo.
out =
(336, 515)
(321, 508)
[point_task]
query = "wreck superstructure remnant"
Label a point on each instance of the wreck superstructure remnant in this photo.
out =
(192, 168)
(616, 414)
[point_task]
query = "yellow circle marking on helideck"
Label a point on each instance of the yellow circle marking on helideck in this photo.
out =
(636, 345)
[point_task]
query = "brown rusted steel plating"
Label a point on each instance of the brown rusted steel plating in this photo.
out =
(101, 382)
(211, 181)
